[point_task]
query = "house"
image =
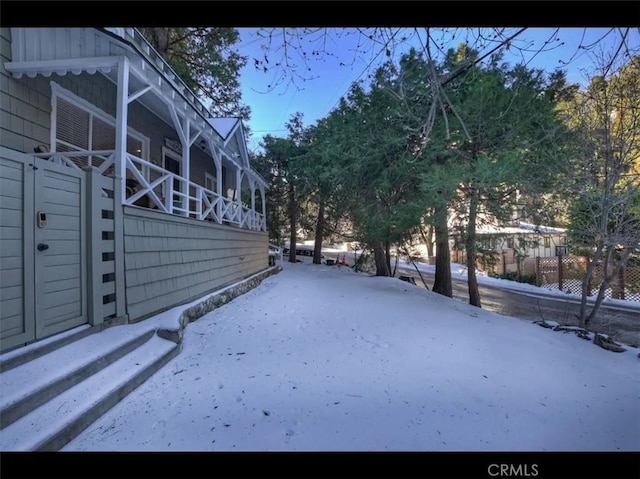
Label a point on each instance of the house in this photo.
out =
(513, 245)
(120, 194)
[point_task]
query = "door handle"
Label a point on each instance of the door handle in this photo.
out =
(43, 247)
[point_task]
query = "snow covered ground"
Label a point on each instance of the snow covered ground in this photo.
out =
(320, 358)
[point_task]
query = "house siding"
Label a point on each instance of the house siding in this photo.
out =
(232, 146)
(531, 251)
(25, 105)
(12, 241)
(200, 163)
(170, 260)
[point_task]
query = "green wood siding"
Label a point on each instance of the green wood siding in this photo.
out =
(25, 105)
(14, 329)
(171, 260)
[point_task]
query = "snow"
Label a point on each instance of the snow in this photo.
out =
(522, 228)
(320, 358)
(541, 229)
(43, 342)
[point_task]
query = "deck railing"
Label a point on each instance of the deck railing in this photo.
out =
(157, 188)
(101, 159)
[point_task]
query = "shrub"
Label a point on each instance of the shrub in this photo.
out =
(513, 276)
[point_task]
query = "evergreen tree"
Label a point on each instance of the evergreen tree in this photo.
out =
(377, 168)
(505, 127)
(205, 59)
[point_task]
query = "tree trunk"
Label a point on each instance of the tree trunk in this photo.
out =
(428, 239)
(395, 266)
(317, 247)
(379, 256)
(442, 282)
(470, 245)
(387, 252)
(606, 282)
(586, 290)
(293, 217)
(160, 40)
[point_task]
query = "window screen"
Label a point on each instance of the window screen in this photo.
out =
(72, 126)
(78, 129)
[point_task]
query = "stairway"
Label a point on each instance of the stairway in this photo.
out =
(52, 390)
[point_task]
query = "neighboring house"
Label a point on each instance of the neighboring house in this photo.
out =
(530, 241)
(120, 195)
(511, 244)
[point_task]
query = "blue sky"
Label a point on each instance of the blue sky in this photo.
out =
(344, 56)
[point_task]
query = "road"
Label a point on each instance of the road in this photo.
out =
(622, 324)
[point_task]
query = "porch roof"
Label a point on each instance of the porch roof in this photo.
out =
(44, 51)
(224, 126)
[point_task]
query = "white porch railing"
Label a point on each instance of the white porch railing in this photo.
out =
(253, 220)
(160, 189)
(101, 159)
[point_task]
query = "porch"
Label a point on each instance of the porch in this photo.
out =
(150, 186)
(118, 106)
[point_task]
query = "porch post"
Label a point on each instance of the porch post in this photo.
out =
(186, 166)
(122, 101)
(252, 185)
(218, 162)
(94, 273)
(238, 194)
(264, 208)
(120, 183)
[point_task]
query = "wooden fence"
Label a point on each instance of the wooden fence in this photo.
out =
(559, 272)
(567, 272)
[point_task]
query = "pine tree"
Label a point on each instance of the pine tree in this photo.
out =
(205, 59)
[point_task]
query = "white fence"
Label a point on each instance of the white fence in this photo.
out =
(157, 188)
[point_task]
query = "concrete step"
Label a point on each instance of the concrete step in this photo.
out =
(66, 413)
(28, 386)
(23, 354)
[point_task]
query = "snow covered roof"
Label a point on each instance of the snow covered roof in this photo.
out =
(541, 228)
(522, 228)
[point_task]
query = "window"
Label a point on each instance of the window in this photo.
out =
(510, 242)
(209, 181)
(547, 242)
(487, 243)
(77, 125)
(172, 162)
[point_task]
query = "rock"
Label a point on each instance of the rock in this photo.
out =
(548, 324)
(580, 332)
(583, 335)
(171, 335)
(571, 329)
(607, 343)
